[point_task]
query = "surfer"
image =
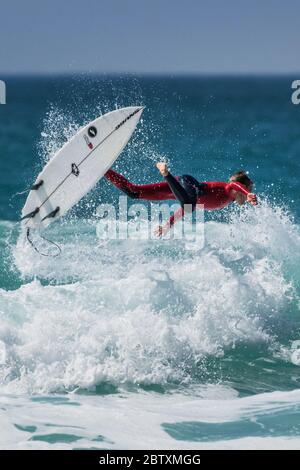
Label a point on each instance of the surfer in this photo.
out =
(188, 191)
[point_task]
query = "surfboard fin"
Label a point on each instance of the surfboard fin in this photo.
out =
(36, 186)
(31, 214)
(52, 214)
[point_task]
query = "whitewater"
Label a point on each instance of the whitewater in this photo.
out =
(146, 343)
(146, 325)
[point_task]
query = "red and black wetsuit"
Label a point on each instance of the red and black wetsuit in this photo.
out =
(186, 189)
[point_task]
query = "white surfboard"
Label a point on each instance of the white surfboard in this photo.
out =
(78, 166)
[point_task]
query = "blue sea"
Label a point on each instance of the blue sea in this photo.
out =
(123, 344)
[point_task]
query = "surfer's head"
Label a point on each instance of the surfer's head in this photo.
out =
(242, 177)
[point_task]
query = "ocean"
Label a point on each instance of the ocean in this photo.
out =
(123, 344)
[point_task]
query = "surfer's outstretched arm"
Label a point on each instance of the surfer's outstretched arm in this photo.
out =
(163, 229)
(180, 194)
(177, 189)
(240, 188)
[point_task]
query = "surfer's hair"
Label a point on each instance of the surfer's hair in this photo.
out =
(242, 177)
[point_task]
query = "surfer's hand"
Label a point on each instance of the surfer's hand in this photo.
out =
(160, 231)
(162, 168)
(252, 199)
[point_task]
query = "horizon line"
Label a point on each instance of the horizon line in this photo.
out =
(150, 74)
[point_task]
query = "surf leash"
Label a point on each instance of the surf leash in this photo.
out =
(48, 241)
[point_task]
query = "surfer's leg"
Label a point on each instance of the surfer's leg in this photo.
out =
(121, 183)
(151, 192)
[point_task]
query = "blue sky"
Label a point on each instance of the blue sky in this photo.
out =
(149, 36)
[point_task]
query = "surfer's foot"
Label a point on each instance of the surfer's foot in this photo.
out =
(162, 168)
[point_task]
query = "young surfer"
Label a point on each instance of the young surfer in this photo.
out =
(188, 191)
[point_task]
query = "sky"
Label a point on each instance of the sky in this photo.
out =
(149, 36)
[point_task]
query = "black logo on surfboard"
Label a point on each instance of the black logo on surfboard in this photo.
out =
(92, 131)
(126, 119)
(75, 169)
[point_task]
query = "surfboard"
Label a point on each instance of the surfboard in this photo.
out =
(78, 166)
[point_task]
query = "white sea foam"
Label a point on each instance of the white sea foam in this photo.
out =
(144, 420)
(143, 312)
